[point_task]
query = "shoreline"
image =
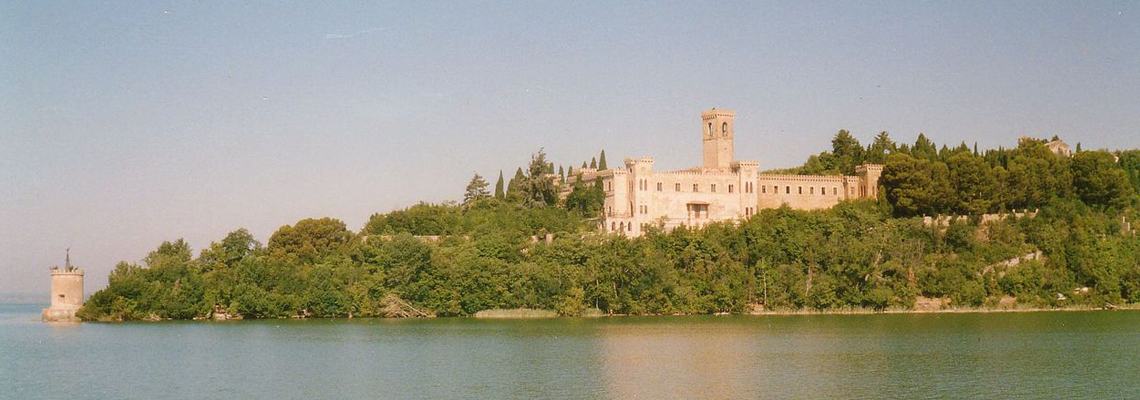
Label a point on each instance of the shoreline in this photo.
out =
(552, 315)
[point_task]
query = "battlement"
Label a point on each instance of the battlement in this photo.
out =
(869, 167)
(64, 272)
(714, 113)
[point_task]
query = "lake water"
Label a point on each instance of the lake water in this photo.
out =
(916, 356)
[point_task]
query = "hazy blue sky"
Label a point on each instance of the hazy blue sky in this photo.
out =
(126, 124)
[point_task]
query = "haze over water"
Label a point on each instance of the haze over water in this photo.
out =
(1051, 355)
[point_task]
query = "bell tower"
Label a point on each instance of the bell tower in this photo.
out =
(717, 138)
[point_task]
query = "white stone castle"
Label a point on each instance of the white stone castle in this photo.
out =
(721, 189)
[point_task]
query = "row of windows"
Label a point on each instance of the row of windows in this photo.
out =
(799, 190)
(644, 185)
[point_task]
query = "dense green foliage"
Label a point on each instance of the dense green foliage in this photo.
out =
(455, 260)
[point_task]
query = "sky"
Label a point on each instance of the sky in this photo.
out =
(126, 124)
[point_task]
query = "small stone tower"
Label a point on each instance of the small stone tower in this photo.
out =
(717, 127)
(66, 293)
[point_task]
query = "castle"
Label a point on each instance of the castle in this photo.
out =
(721, 189)
(66, 293)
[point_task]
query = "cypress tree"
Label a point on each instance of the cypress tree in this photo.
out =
(561, 174)
(593, 162)
(499, 186)
(583, 165)
(602, 161)
(513, 185)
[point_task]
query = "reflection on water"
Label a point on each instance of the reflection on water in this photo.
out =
(1034, 355)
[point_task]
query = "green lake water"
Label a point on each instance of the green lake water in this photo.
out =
(1046, 355)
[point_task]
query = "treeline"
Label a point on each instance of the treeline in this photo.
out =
(921, 179)
(488, 252)
(854, 255)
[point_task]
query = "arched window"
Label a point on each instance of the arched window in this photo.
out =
(613, 226)
(711, 132)
(724, 129)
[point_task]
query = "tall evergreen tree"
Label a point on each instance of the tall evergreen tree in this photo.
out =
(602, 161)
(499, 193)
(476, 190)
(880, 148)
(593, 162)
(516, 182)
(847, 152)
(561, 174)
(924, 149)
(536, 188)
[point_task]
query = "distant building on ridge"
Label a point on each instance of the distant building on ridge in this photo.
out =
(721, 189)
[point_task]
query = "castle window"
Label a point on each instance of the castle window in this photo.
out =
(629, 227)
(613, 226)
(658, 186)
(787, 190)
(811, 190)
(834, 191)
(711, 131)
(801, 189)
(713, 188)
(676, 187)
(695, 188)
(724, 129)
(764, 189)
(823, 191)
(730, 188)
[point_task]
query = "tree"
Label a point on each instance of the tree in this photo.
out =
(924, 148)
(537, 188)
(516, 182)
(499, 193)
(476, 190)
(1130, 163)
(586, 199)
(561, 175)
(916, 186)
(1098, 181)
(880, 148)
(311, 238)
(847, 151)
(1036, 175)
(593, 162)
(973, 183)
(602, 161)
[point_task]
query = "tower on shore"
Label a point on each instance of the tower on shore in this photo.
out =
(66, 292)
(717, 127)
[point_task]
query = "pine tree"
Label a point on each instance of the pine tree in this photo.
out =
(476, 190)
(593, 162)
(499, 193)
(602, 161)
(1078, 147)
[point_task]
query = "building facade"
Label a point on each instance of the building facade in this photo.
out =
(722, 189)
